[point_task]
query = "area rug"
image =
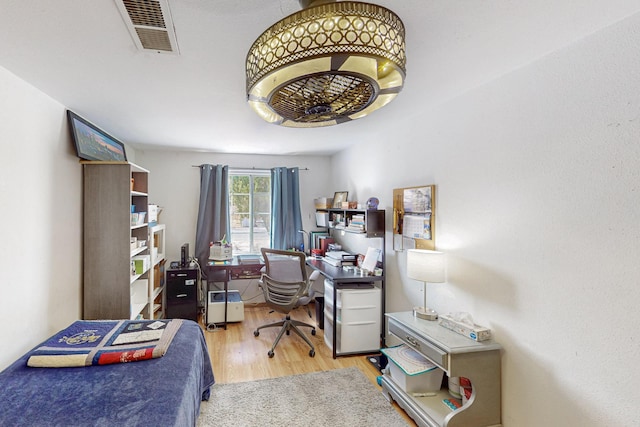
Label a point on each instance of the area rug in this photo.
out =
(341, 397)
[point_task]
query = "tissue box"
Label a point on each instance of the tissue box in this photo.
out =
(220, 252)
(475, 332)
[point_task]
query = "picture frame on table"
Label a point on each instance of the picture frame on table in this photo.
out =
(92, 143)
(338, 198)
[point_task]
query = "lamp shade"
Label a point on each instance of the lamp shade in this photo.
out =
(425, 265)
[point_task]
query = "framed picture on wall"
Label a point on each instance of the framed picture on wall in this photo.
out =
(414, 217)
(92, 143)
(338, 198)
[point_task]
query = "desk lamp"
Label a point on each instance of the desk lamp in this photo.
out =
(425, 266)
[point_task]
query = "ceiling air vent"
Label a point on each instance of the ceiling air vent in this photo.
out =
(150, 25)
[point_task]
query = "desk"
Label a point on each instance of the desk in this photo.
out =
(223, 271)
(340, 277)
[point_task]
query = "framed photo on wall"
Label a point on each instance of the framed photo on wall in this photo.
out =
(338, 198)
(92, 143)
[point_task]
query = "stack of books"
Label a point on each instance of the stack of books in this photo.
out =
(339, 258)
(357, 223)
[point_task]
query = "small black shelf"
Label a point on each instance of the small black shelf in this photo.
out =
(373, 220)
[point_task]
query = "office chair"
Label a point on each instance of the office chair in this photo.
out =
(285, 286)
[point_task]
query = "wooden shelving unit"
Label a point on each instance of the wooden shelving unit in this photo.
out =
(112, 288)
(156, 272)
(372, 221)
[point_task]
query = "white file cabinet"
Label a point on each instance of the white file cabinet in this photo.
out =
(357, 321)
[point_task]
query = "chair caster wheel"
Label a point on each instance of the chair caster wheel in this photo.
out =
(312, 352)
(256, 333)
(270, 353)
(313, 332)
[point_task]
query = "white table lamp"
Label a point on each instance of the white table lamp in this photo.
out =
(425, 266)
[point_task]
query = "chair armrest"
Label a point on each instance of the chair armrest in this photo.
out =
(312, 278)
(314, 275)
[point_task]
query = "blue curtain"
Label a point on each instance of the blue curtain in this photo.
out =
(213, 213)
(286, 218)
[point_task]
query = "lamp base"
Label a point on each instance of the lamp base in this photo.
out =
(425, 313)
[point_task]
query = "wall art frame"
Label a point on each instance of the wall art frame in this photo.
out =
(92, 143)
(338, 198)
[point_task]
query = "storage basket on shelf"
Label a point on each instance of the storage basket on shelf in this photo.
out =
(411, 371)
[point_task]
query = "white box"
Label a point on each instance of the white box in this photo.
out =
(323, 202)
(215, 307)
(322, 219)
(428, 381)
(141, 216)
(358, 337)
(141, 263)
(153, 213)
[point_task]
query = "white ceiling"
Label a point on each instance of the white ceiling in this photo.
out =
(80, 53)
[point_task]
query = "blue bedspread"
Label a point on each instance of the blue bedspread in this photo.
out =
(165, 391)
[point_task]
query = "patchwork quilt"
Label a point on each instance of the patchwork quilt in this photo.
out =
(103, 342)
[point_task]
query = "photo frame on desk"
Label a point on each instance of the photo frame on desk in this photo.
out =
(414, 217)
(338, 198)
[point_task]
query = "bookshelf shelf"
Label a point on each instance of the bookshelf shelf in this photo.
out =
(359, 221)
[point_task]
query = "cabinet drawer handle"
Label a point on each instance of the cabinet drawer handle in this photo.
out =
(181, 295)
(412, 341)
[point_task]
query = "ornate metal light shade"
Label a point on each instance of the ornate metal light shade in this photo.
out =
(329, 63)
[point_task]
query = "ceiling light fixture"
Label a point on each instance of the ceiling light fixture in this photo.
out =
(332, 62)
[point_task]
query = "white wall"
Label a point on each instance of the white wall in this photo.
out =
(538, 188)
(40, 219)
(537, 208)
(174, 184)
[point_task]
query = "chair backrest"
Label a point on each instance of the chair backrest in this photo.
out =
(284, 281)
(285, 266)
(282, 296)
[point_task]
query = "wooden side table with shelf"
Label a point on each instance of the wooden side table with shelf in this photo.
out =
(457, 356)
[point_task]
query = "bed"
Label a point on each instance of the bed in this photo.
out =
(161, 391)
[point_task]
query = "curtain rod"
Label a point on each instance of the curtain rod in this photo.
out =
(251, 168)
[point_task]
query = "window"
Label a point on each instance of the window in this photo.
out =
(250, 210)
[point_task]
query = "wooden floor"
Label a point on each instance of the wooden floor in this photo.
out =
(238, 356)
